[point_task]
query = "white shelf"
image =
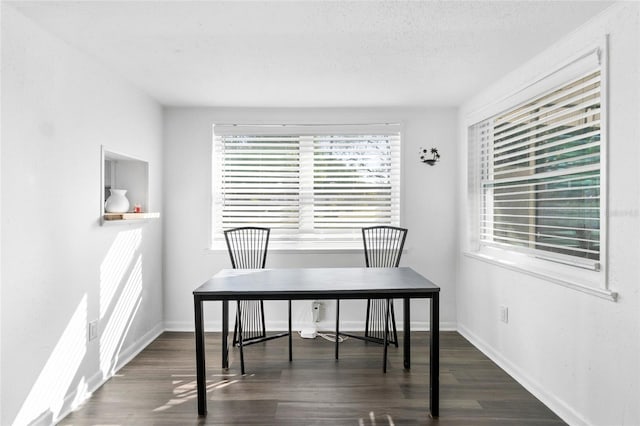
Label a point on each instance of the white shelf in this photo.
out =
(130, 216)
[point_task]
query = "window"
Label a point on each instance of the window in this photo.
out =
(536, 171)
(306, 182)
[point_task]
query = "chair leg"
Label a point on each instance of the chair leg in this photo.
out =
(393, 323)
(366, 322)
(386, 335)
(235, 332)
(264, 326)
(239, 322)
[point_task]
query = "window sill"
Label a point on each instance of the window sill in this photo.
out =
(588, 282)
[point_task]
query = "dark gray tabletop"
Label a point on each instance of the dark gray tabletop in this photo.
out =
(302, 283)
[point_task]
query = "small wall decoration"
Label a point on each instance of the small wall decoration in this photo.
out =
(431, 157)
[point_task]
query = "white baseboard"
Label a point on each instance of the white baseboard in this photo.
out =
(139, 345)
(73, 400)
(555, 404)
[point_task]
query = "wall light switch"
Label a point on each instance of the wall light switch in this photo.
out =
(93, 330)
(504, 314)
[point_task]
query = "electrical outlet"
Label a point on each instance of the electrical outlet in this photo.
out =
(504, 314)
(315, 310)
(93, 330)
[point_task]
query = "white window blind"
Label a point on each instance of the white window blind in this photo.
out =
(306, 182)
(538, 177)
(259, 181)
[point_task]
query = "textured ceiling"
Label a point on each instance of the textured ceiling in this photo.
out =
(308, 53)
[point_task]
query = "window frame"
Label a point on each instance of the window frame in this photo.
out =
(594, 282)
(330, 241)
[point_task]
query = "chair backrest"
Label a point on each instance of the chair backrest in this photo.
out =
(247, 247)
(383, 246)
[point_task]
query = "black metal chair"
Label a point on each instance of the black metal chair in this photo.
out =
(247, 248)
(382, 249)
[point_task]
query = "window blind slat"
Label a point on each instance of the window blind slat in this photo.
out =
(559, 199)
(582, 87)
(579, 107)
(590, 118)
(541, 178)
(582, 80)
(535, 238)
(532, 153)
(486, 224)
(539, 245)
(533, 145)
(588, 158)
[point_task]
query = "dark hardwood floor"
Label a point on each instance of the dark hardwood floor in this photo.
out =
(158, 387)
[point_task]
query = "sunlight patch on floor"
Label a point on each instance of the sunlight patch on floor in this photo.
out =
(185, 391)
(372, 420)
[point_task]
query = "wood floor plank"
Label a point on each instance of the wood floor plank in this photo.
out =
(158, 387)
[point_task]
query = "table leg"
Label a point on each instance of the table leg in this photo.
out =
(290, 335)
(225, 334)
(386, 334)
(337, 326)
(407, 333)
(201, 375)
(240, 341)
(434, 360)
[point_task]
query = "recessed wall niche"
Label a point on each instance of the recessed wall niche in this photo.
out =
(121, 171)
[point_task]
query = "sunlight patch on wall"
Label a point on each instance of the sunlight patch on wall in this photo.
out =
(47, 395)
(118, 323)
(116, 264)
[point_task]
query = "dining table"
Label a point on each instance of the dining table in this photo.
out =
(318, 284)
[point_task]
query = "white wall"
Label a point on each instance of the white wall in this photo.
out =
(60, 268)
(429, 207)
(576, 352)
